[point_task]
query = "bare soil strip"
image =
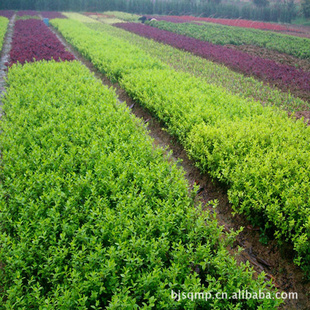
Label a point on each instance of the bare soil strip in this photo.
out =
(274, 261)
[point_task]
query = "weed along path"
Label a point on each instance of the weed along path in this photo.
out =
(274, 261)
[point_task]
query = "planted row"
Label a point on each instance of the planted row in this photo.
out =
(260, 153)
(282, 75)
(211, 72)
(92, 216)
(27, 13)
(33, 41)
(243, 23)
(3, 27)
(51, 14)
(81, 18)
(219, 34)
(124, 16)
(7, 13)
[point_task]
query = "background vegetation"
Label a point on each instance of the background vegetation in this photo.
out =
(260, 10)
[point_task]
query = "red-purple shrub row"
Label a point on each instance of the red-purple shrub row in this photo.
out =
(34, 41)
(268, 70)
(27, 12)
(8, 13)
(52, 14)
(228, 22)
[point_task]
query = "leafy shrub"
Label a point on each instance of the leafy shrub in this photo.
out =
(7, 13)
(27, 13)
(262, 156)
(92, 216)
(33, 41)
(51, 14)
(124, 16)
(80, 17)
(262, 171)
(3, 27)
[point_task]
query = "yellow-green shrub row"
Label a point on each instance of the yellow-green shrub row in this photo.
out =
(80, 17)
(3, 26)
(259, 152)
(124, 16)
(92, 216)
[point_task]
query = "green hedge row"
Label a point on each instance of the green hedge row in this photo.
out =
(3, 26)
(259, 152)
(92, 216)
(222, 35)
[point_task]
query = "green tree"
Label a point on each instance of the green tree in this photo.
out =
(261, 3)
(305, 5)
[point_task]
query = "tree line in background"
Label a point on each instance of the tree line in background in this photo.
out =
(281, 11)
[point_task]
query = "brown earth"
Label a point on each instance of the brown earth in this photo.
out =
(302, 114)
(274, 261)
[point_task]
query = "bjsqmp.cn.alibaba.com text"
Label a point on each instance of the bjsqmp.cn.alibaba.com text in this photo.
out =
(241, 294)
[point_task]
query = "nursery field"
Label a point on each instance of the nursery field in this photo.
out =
(94, 215)
(221, 35)
(281, 75)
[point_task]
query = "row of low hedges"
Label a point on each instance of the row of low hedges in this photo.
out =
(92, 216)
(3, 27)
(261, 154)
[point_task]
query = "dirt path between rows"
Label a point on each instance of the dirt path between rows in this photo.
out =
(275, 262)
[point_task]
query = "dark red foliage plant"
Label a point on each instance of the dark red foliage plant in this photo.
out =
(34, 41)
(52, 14)
(6, 13)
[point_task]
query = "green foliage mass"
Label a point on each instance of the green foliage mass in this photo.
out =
(221, 34)
(80, 17)
(124, 16)
(209, 71)
(92, 216)
(305, 5)
(25, 17)
(282, 12)
(3, 27)
(260, 153)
